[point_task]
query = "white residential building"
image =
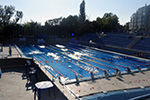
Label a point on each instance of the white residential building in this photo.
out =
(140, 21)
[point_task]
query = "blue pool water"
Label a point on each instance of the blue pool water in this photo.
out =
(66, 60)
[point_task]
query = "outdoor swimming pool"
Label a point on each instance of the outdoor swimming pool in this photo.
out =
(68, 60)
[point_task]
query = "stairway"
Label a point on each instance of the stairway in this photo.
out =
(101, 36)
(136, 39)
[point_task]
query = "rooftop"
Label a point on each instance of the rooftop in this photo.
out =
(13, 86)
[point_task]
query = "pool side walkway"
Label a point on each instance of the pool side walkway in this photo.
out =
(5, 52)
(128, 81)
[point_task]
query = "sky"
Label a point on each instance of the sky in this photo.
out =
(42, 10)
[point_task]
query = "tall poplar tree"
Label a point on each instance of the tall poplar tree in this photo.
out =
(82, 15)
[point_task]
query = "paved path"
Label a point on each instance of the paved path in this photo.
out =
(5, 52)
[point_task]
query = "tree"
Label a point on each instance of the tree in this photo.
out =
(18, 16)
(110, 22)
(99, 23)
(70, 24)
(8, 18)
(54, 22)
(126, 27)
(32, 28)
(7, 13)
(82, 14)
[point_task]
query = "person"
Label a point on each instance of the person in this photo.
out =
(77, 79)
(117, 72)
(139, 68)
(105, 73)
(128, 70)
(147, 65)
(1, 49)
(10, 51)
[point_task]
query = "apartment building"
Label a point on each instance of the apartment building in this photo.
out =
(140, 20)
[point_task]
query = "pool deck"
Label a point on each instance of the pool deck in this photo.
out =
(71, 91)
(5, 52)
(128, 81)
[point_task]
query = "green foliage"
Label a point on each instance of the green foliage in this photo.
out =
(32, 24)
(54, 22)
(73, 24)
(18, 16)
(8, 19)
(31, 28)
(109, 22)
(70, 24)
(126, 27)
(7, 13)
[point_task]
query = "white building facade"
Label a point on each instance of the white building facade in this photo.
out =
(140, 21)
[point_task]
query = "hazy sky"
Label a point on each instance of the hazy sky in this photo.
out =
(42, 10)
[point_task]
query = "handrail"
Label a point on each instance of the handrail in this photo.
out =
(18, 50)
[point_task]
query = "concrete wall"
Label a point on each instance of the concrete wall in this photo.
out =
(54, 93)
(12, 62)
